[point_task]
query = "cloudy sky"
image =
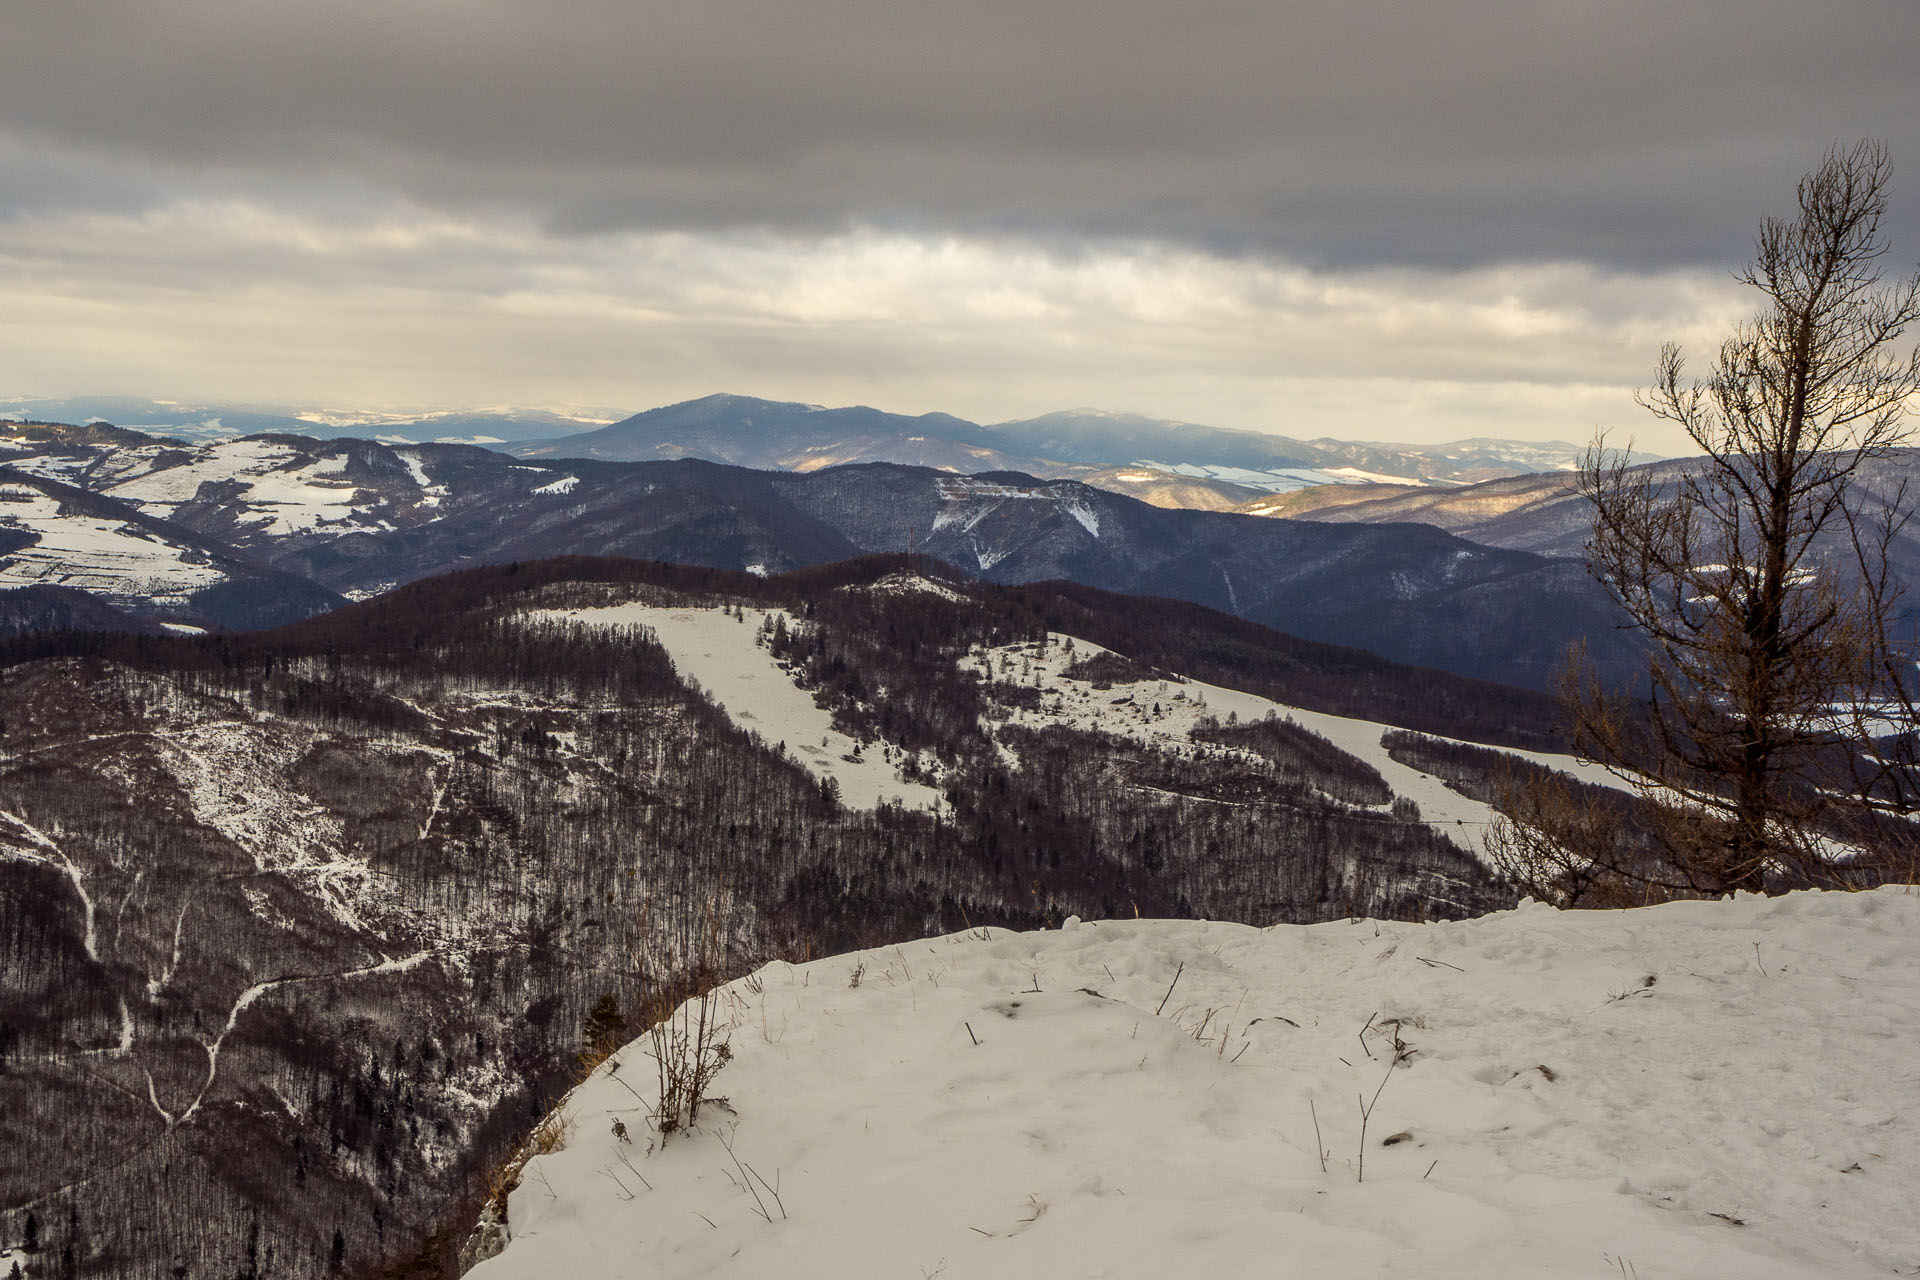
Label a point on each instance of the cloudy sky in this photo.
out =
(1392, 220)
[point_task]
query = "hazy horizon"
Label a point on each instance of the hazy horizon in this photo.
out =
(591, 417)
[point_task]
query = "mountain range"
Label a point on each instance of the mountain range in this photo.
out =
(1076, 444)
(272, 528)
(1230, 467)
(187, 420)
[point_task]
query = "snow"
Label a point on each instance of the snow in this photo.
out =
(1126, 710)
(988, 557)
(1153, 1098)
(430, 493)
(234, 780)
(904, 583)
(1370, 477)
(1084, 514)
(1281, 479)
(721, 654)
(297, 492)
(565, 484)
(984, 496)
(111, 557)
(296, 503)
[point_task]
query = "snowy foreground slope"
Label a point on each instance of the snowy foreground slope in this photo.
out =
(1693, 1090)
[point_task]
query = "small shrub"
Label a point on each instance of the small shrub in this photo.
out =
(687, 1032)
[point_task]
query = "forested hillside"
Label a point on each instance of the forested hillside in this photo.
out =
(298, 928)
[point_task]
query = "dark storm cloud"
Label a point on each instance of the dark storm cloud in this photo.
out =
(1626, 133)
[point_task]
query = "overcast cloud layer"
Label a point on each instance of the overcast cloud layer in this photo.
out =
(1398, 220)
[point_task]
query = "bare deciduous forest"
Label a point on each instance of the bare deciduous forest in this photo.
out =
(298, 929)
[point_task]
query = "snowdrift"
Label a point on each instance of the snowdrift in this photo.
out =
(1699, 1089)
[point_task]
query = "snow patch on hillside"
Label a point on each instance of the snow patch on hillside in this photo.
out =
(294, 492)
(1701, 1089)
(1162, 713)
(117, 560)
(910, 584)
(1277, 479)
(1084, 514)
(722, 654)
(1371, 477)
(430, 493)
(234, 779)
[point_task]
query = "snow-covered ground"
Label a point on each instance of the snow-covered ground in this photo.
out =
(290, 493)
(1694, 1090)
(1128, 710)
(118, 560)
(722, 654)
(1281, 479)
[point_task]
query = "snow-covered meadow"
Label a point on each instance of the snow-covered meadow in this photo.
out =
(119, 561)
(1162, 713)
(721, 652)
(1699, 1089)
(724, 655)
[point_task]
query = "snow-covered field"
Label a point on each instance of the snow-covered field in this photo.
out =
(1281, 479)
(118, 560)
(290, 493)
(1693, 1090)
(721, 654)
(1128, 710)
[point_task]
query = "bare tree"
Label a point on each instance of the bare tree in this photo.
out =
(1757, 574)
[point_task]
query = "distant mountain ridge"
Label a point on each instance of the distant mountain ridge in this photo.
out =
(1081, 444)
(1186, 464)
(207, 422)
(357, 517)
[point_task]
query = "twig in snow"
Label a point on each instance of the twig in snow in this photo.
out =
(1170, 986)
(1365, 1029)
(1319, 1147)
(1366, 1113)
(773, 1190)
(970, 1035)
(760, 1205)
(1439, 964)
(630, 1169)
